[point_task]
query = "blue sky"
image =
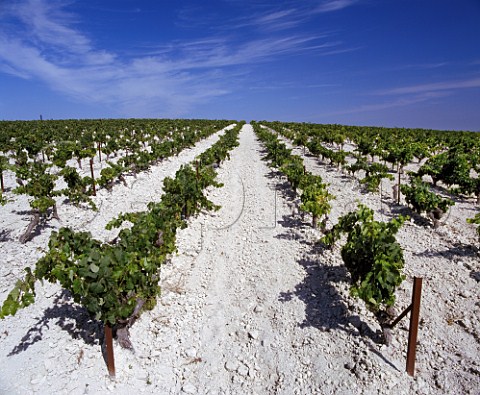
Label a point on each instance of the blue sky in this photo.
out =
(404, 63)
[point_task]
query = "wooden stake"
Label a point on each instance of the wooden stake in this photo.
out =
(109, 349)
(414, 320)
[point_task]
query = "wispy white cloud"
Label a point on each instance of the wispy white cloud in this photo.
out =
(409, 95)
(223, 52)
(50, 50)
(340, 50)
(412, 94)
(423, 66)
(140, 87)
(47, 22)
(7, 69)
(275, 16)
(277, 20)
(334, 5)
(433, 87)
(386, 104)
(171, 78)
(283, 19)
(315, 86)
(48, 25)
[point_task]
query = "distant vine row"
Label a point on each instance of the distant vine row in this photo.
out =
(38, 153)
(314, 196)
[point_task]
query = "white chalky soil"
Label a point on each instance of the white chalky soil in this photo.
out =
(250, 305)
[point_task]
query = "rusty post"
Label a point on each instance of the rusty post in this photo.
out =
(399, 318)
(94, 192)
(109, 349)
(414, 320)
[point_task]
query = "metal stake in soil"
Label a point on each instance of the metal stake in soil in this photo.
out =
(414, 320)
(414, 310)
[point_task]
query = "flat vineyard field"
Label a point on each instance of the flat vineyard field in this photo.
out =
(251, 302)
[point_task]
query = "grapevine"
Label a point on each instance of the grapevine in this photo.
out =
(39, 184)
(79, 188)
(315, 198)
(372, 256)
(422, 199)
(475, 220)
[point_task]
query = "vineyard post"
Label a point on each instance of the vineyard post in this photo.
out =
(398, 191)
(109, 349)
(94, 192)
(414, 310)
(414, 320)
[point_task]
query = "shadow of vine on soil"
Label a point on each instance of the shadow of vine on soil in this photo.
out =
(325, 308)
(5, 235)
(455, 251)
(70, 317)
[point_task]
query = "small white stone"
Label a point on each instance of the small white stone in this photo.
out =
(191, 352)
(49, 364)
(242, 370)
(232, 365)
(258, 309)
(37, 379)
(189, 388)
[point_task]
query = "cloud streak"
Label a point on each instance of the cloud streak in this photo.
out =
(334, 5)
(169, 81)
(412, 94)
(293, 17)
(395, 103)
(433, 87)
